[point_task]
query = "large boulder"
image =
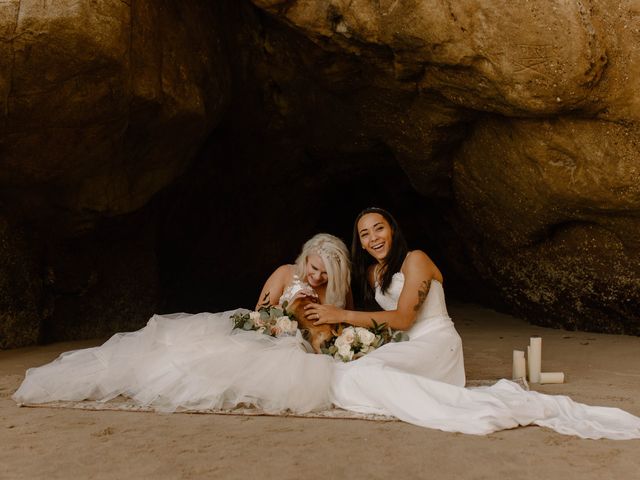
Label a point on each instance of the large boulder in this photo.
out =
(548, 212)
(104, 104)
(524, 115)
(503, 135)
(509, 57)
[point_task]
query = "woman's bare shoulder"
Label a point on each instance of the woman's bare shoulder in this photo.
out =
(419, 261)
(417, 256)
(285, 272)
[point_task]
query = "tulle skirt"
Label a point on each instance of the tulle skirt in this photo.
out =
(184, 361)
(195, 362)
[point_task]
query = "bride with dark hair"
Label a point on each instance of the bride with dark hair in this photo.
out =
(408, 286)
(421, 381)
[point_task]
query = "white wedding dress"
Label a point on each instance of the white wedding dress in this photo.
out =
(190, 362)
(422, 382)
(195, 362)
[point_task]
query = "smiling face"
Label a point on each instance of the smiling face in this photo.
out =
(375, 235)
(316, 271)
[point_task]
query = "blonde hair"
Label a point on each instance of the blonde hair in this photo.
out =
(335, 256)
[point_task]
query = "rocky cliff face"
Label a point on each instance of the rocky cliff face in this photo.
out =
(102, 105)
(538, 149)
(160, 135)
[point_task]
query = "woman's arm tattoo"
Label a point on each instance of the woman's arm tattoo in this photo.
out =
(265, 300)
(423, 291)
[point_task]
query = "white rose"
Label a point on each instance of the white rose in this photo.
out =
(349, 335)
(255, 318)
(345, 352)
(366, 336)
(284, 326)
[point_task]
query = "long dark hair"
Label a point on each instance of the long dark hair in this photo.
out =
(364, 295)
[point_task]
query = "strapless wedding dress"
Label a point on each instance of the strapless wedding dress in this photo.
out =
(189, 362)
(421, 381)
(434, 349)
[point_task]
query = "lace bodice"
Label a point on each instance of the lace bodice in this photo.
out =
(294, 287)
(434, 305)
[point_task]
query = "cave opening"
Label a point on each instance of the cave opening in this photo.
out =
(233, 219)
(208, 149)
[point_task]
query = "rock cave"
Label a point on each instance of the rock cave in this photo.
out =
(164, 156)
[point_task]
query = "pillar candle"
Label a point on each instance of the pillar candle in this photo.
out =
(519, 365)
(535, 358)
(551, 377)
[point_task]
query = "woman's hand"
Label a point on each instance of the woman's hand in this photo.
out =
(323, 314)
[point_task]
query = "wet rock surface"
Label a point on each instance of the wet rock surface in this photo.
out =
(20, 289)
(554, 202)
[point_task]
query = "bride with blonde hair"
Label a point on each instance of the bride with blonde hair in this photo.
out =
(195, 362)
(323, 265)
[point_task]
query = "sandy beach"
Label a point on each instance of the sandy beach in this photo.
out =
(600, 370)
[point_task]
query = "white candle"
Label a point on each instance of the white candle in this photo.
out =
(551, 377)
(519, 365)
(535, 358)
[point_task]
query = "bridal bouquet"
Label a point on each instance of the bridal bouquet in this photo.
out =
(352, 343)
(270, 320)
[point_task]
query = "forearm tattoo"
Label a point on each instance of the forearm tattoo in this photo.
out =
(423, 291)
(266, 300)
